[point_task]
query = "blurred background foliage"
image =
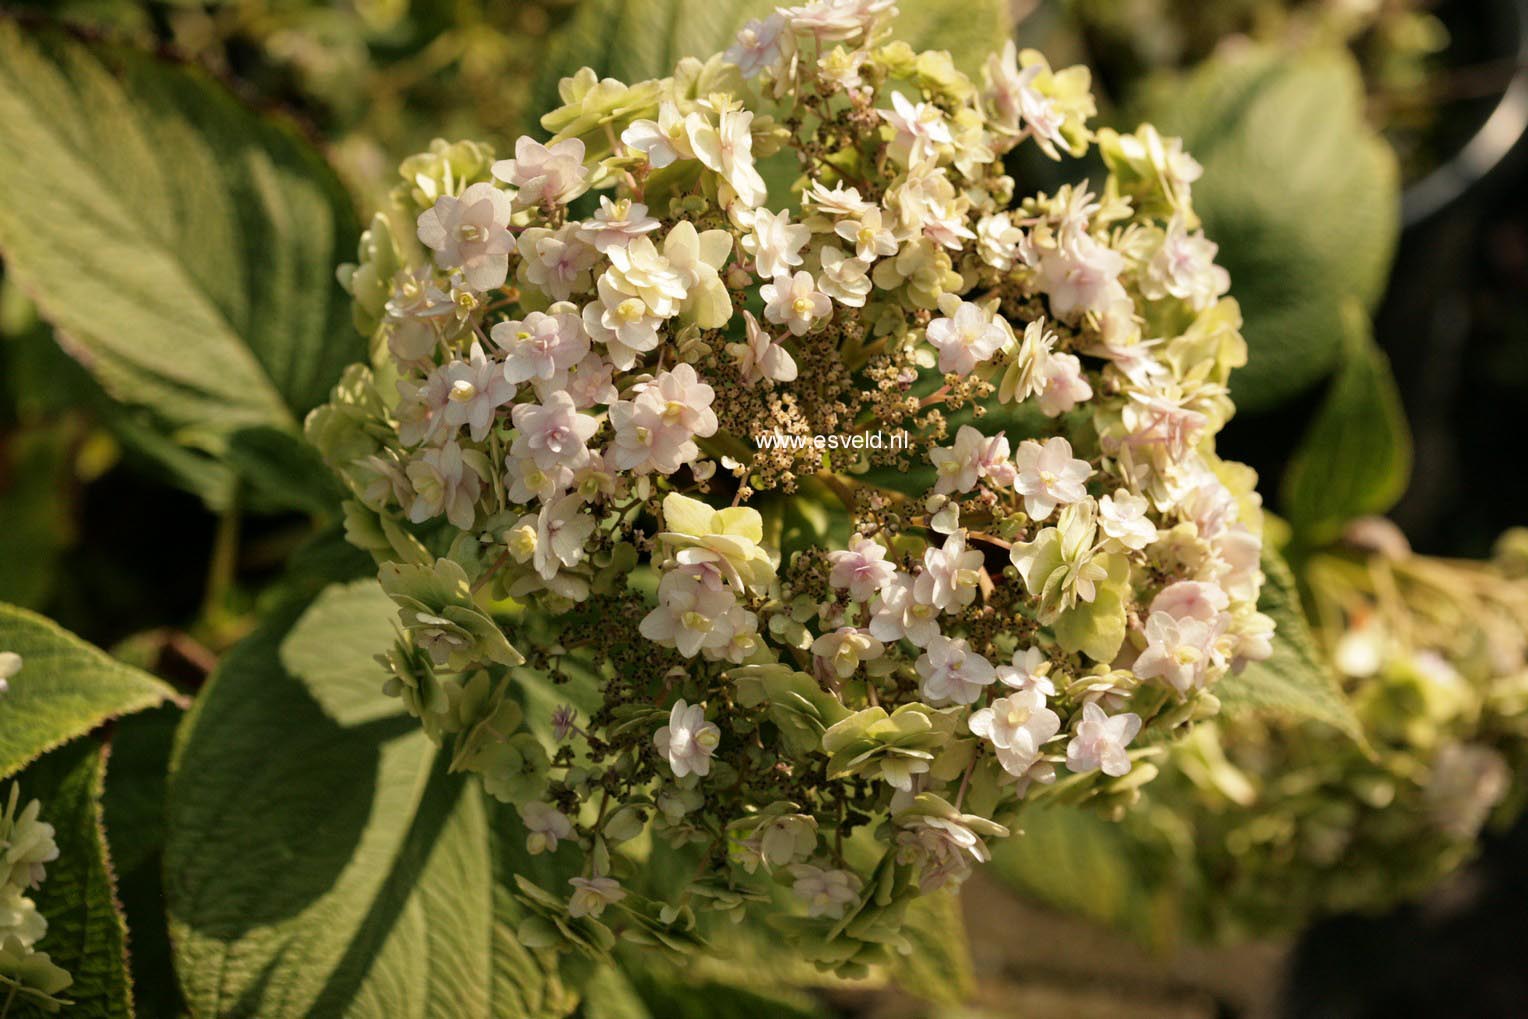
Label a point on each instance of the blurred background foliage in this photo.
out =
(1379, 249)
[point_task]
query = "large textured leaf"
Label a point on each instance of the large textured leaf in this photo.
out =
(636, 39)
(1074, 860)
(65, 688)
(1296, 682)
(1302, 197)
(133, 812)
(940, 968)
(328, 870)
(183, 246)
(1356, 457)
(332, 650)
(86, 934)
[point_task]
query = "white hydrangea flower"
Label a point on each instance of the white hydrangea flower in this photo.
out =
(1017, 104)
(663, 140)
(19, 918)
(827, 893)
(471, 233)
(953, 673)
(1080, 275)
(973, 457)
(727, 148)
(844, 649)
(1191, 599)
(1017, 726)
(945, 847)
(553, 433)
(638, 269)
(556, 261)
(28, 842)
(444, 481)
(1122, 516)
(839, 200)
(951, 574)
(862, 569)
(897, 614)
(688, 741)
(1027, 373)
(475, 389)
(760, 43)
(554, 173)
(1065, 385)
(795, 302)
(691, 615)
(615, 223)
(844, 279)
(967, 336)
(917, 129)
(1002, 244)
(1030, 671)
(542, 346)
(761, 357)
(527, 481)
(1100, 740)
(591, 895)
(836, 20)
(1184, 267)
(1182, 651)
(545, 825)
(775, 242)
(562, 528)
(870, 234)
(1049, 476)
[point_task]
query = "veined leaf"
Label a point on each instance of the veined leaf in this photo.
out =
(1356, 457)
(86, 934)
(1072, 859)
(65, 688)
(133, 812)
(183, 246)
(333, 647)
(940, 968)
(1297, 681)
(315, 868)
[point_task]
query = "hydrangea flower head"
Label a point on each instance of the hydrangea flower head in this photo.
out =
(847, 513)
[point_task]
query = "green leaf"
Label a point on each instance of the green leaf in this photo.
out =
(1074, 860)
(1296, 681)
(633, 40)
(939, 968)
(1300, 194)
(968, 30)
(664, 990)
(183, 246)
(134, 808)
(65, 688)
(315, 868)
(332, 649)
(1356, 457)
(86, 934)
(282, 472)
(609, 995)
